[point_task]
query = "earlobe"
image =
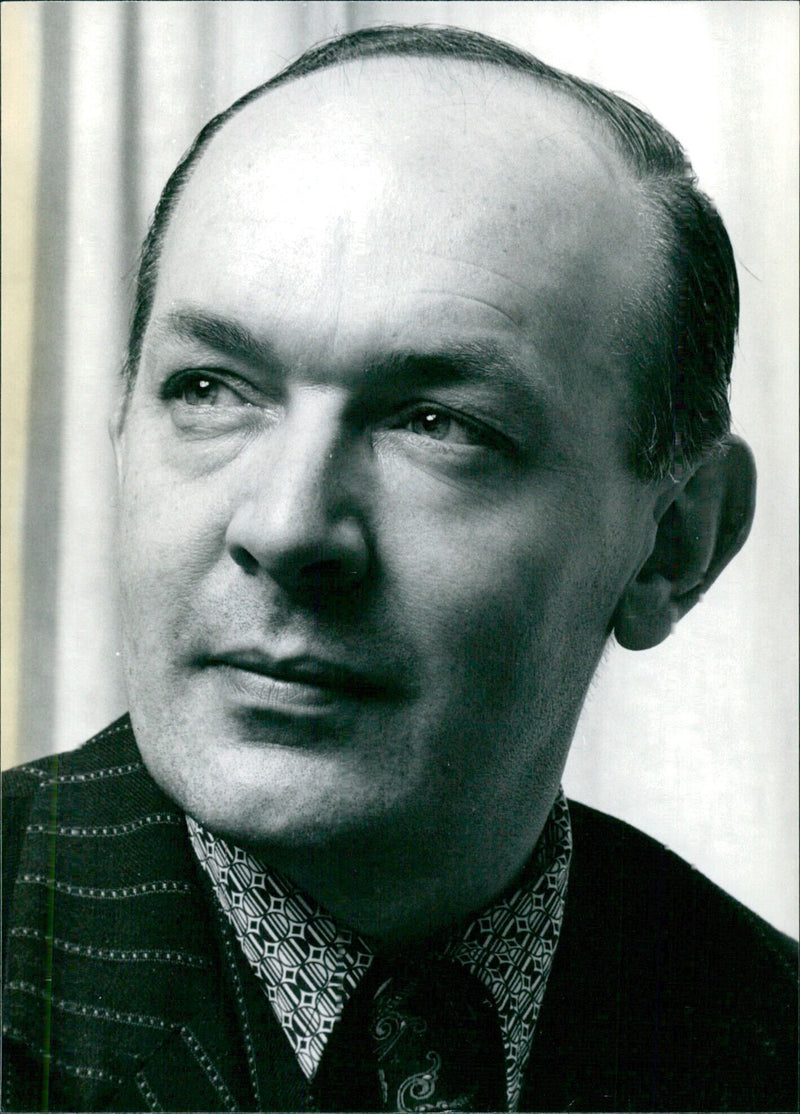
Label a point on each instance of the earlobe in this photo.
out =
(700, 529)
(644, 616)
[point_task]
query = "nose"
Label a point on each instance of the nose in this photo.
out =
(301, 513)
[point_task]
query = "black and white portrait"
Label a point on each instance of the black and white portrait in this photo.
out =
(403, 464)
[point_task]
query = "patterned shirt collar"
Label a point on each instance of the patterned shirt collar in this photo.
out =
(309, 966)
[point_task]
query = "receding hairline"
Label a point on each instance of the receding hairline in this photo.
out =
(594, 134)
(527, 83)
(599, 144)
(680, 336)
(603, 152)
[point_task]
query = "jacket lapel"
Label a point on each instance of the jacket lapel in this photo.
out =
(116, 984)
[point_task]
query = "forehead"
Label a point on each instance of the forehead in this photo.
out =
(402, 193)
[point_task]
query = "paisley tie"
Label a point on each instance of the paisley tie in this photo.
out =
(432, 1039)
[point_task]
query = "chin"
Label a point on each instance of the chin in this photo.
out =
(272, 796)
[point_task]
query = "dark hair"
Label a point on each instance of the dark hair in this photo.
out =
(681, 337)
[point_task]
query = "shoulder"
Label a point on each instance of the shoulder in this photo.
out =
(632, 883)
(24, 787)
(104, 756)
(688, 998)
(104, 776)
(49, 802)
(106, 924)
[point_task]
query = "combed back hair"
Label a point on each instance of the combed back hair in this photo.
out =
(678, 336)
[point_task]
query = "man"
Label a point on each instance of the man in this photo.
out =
(425, 397)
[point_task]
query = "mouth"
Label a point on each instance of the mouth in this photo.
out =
(296, 685)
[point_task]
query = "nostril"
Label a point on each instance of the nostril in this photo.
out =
(308, 553)
(244, 559)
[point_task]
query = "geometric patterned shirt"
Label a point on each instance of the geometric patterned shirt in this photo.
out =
(309, 966)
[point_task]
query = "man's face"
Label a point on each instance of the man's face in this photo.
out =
(375, 512)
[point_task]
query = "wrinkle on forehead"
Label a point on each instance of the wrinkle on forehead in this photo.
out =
(514, 319)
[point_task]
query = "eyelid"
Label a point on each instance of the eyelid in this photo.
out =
(471, 421)
(482, 430)
(177, 381)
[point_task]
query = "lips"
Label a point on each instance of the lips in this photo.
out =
(297, 681)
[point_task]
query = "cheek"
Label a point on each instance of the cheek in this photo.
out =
(482, 555)
(473, 584)
(168, 539)
(507, 592)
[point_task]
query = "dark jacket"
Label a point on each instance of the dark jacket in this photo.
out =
(126, 991)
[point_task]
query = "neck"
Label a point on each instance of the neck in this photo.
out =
(399, 896)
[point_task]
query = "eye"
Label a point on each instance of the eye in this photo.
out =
(201, 389)
(431, 423)
(439, 424)
(198, 390)
(208, 402)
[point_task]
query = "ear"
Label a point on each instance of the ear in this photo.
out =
(702, 523)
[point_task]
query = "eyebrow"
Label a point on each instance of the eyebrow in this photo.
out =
(477, 361)
(449, 362)
(221, 334)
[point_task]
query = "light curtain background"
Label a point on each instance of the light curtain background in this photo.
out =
(695, 742)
